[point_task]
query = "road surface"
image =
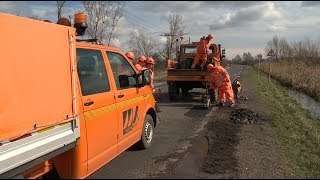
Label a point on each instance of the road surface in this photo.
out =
(180, 124)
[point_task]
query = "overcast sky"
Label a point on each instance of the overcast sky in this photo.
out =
(240, 26)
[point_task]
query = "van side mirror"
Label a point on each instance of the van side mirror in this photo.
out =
(223, 53)
(146, 77)
(124, 81)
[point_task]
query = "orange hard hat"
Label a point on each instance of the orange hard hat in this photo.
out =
(64, 21)
(142, 58)
(210, 36)
(150, 60)
(130, 55)
(210, 67)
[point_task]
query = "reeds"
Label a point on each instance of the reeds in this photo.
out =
(295, 74)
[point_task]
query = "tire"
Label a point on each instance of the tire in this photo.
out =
(173, 91)
(147, 133)
(212, 95)
(185, 91)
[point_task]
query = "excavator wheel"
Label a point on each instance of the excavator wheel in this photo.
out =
(184, 91)
(212, 95)
(173, 91)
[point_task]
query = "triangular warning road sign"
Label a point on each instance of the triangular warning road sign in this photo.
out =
(270, 53)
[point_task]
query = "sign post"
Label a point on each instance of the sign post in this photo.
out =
(260, 57)
(272, 55)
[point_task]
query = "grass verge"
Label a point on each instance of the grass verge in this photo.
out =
(297, 134)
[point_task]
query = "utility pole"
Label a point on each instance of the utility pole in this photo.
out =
(171, 38)
(259, 57)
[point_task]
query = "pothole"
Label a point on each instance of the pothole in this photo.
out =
(245, 116)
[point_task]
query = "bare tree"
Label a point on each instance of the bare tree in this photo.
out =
(237, 59)
(35, 17)
(285, 51)
(306, 51)
(18, 12)
(274, 45)
(176, 27)
(103, 17)
(115, 16)
(59, 8)
(142, 44)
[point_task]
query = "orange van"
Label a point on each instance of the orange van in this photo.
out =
(67, 105)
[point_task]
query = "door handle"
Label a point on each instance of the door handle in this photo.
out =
(88, 103)
(121, 96)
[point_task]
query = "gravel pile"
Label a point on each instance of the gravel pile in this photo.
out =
(245, 116)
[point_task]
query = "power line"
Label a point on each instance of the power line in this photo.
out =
(143, 22)
(138, 23)
(151, 30)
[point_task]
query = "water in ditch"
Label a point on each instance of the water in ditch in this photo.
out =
(307, 103)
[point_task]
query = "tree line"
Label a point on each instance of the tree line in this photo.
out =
(245, 59)
(304, 51)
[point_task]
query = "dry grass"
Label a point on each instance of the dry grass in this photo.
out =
(297, 75)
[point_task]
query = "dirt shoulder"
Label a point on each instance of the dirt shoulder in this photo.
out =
(242, 150)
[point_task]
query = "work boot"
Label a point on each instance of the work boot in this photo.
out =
(201, 67)
(220, 104)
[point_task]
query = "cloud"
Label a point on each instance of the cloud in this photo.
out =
(232, 4)
(310, 3)
(275, 28)
(41, 12)
(237, 25)
(19, 8)
(6, 5)
(115, 43)
(163, 40)
(164, 6)
(247, 16)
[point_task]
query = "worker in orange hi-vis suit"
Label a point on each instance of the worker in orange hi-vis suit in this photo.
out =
(141, 63)
(216, 55)
(130, 56)
(149, 65)
(220, 79)
(202, 51)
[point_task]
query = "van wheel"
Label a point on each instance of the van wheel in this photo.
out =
(147, 133)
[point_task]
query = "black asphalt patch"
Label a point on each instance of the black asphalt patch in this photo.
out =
(245, 116)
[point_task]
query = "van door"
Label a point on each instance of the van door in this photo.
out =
(130, 101)
(99, 107)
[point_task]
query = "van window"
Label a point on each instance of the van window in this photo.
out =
(92, 72)
(120, 66)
